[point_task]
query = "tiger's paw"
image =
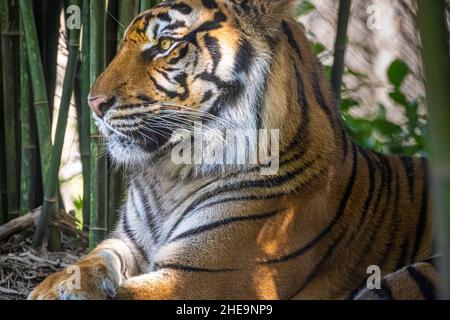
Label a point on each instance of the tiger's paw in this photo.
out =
(153, 286)
(131, 290)
(90, 279)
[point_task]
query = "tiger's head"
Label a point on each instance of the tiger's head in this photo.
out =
(185, 61)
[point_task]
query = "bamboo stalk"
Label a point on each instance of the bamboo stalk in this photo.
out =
(51, 189)
(27, 145)
(340, 48)
(434, 32)
(128, 9)
(37, 182)
(40, 101)
(47, 14)
(9, 34)
(40, 98)
(3, 208)
(98, 163)
(112, 28)
(114, 176)
(85, 114)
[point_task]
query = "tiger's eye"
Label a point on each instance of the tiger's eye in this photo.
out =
(165, 44)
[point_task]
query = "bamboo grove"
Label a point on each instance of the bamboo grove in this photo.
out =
(30, 160)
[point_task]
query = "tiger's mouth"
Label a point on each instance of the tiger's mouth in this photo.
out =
(145, 127)
(135, 129)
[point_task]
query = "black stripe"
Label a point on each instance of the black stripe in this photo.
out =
(365, 251)
(301, 139)
(181, 7)
(207, 96)
(230, 93)
(165, 75)
(219, 17)
(244, 57)
(224, 222)
(145, 98)
(131, 235)
(225, 177)
(164, 17)
(291, 39)
(318, 268)
(212, 44)
(426, 287)
(190, 268)
(370, 197)
(210, 4)
(219, 83)
(345, 143)
(181, 55)
(252, 184)
(174, 26)
(150, 213)
(168, 93)
(329, 227)
(408, 164)
(395, 225)
(387, 209)
(321, 99)
(423, 211)
(156, 28)
(181, 78)
(258, 197)
(264, 183)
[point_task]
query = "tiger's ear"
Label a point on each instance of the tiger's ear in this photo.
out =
(268, 14)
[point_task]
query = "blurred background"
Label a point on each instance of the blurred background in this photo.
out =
(59, 193)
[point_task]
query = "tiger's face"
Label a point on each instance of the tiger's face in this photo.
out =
(180, 62)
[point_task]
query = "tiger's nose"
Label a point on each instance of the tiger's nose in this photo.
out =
(101, 104)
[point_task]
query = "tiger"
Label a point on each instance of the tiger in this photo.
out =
(214, 231)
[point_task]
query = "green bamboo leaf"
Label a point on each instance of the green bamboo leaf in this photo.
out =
(347, 104)
(318, 48)
(303, 8)
(400, 98)
(397, 72)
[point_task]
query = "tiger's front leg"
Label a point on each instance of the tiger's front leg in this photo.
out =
(189, 285)
(96, 277)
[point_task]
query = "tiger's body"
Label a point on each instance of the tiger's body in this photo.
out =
(199, 232)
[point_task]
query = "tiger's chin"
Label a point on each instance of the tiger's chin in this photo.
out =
(135, 149)
(131, 154)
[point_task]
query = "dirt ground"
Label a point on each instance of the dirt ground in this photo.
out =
(22, 268)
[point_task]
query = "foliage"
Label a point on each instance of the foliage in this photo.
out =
(375, 129)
